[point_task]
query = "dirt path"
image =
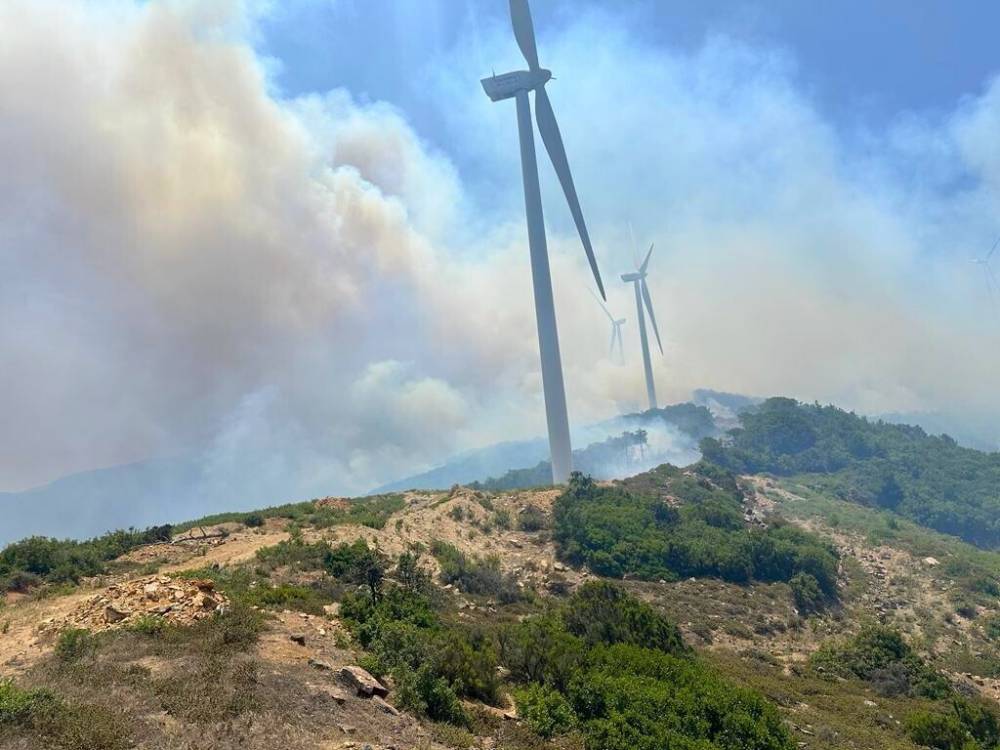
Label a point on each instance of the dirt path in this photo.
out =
(21, 645)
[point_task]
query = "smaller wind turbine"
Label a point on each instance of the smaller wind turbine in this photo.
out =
(991, 279)
(616, 330)
(638, 281)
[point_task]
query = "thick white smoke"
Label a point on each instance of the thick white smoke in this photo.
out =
(306, 293)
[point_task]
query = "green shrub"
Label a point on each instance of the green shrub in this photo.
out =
(18, 706)
(541, 650)
(40, 714)
(428, 694)
(73, 644)
(939, 731)
(806, 593)
(149, 625)
(532, 518)
(881, 656)
(482, 577)
(601, 612)
(930, 480)
(545, 710)
(253, 520)
(615, 532)
(992, 628)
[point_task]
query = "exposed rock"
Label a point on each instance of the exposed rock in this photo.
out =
(178, 601)
(365, 685)
(383, 706)
(297, 638)
(322, 665)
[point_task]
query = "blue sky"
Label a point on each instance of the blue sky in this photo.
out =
(862, 63)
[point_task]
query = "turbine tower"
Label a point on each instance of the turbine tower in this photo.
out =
(991, 279)
(518, 85)
(638, 281)
(616, 331)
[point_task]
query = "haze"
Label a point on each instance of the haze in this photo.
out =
(290, 237)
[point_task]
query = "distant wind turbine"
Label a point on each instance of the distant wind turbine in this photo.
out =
(517, 85)
(991, 279)
(638, 281)
(616, 331)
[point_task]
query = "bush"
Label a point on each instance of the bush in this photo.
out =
(615, 532)
(253, 520)
(939, 731)
(482, 577)
(427, 694)
(806, 593)
(73, 644)
(992, 628)
(41, 715)
(532, 518)
(545, 710)
(601, 612)
(881, 656)
(928, 479)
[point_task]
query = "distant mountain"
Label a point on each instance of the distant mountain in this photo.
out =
(87, 504)
(672, 436)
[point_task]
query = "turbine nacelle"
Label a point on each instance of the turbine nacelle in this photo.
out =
(637, 276)
(508, 85)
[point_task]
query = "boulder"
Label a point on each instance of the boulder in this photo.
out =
(365, 685)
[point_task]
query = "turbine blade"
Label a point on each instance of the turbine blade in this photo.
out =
(603, 306)
(993, 249)
(645, 263)
(524, 31)
(652, 316)
(549, 130)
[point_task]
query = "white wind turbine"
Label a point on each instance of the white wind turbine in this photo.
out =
(991, 279)
(638, 281)
(616, 331)
(517, 85)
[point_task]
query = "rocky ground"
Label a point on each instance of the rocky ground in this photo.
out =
(312, 659)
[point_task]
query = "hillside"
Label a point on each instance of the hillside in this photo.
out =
(715, 611)
(929, 479)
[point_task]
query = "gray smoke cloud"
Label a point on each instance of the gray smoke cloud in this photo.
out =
(312, 297)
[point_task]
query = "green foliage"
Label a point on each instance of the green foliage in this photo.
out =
(600, 612)
(545, 710)
(149, 625)
(617, 532)
(532, 518)
(632, 697)
(481, 577)
(428, 694)
(57, 724)
(931, 480)
(371, 511)
(967, 725)
(432, 664)
(253, 520)
(881, 656)
(73, 644)
(40, 559)
(992, 628)
(627, 681)
(806, 592)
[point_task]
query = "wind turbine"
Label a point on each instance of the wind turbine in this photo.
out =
(991, 279)
(616, 330)
(516, 86)
(638, 281)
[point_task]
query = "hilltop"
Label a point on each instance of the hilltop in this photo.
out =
(714, 609)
